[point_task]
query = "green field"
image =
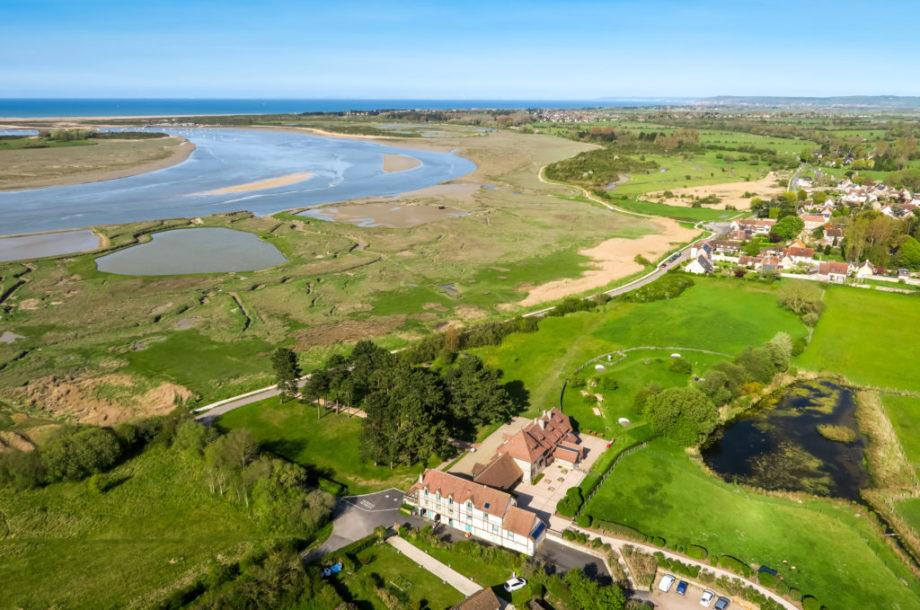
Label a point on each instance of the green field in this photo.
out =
(910, 512)
(719, 315)
(904, 413)
(870, 337)
(674, 211)
(839, 558)
(330, 447)
(156, 528)
(637, 371)
(396, 571)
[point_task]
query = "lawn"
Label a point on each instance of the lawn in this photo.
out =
(157, 527)
(839, 557)
(383, 562)
(719, 315)
(639, 369)
(904, 413)
(870, 337)
(330, 447)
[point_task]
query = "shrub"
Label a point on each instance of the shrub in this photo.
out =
(697, 552)
(795, 595)
(617, 529)
(668, 287)
(767, 579)
(583, 520)
(571, 503)
(735, 565)
(811, 603)
(680, 365)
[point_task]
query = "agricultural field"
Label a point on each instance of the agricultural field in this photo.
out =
(330, 447)
(196, 338)
(155, 528)
(838, 555)
(872, 338)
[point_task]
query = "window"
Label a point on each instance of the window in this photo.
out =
(469, 505)
(494, 529)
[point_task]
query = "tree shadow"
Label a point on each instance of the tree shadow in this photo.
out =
(520, 396)
(116, 482)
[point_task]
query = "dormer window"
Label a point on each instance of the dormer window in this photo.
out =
(450, 500)
(469, 505)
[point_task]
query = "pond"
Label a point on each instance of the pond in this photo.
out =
(777, 446)
(204, 250)
(231, 170)
(46, 244)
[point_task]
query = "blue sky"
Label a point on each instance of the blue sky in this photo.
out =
(501, 50)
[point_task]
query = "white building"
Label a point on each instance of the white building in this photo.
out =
(478, 510)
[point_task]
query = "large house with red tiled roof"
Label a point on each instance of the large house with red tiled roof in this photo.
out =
(478, 510)
(547, 438)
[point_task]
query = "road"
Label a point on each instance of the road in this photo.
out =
(209, 413)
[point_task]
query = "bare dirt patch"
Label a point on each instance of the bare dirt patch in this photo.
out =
(82, 398)
(390, 215)
(731, 193)
(612, 260)
(468, 313)
(29, 304)
(258, 185)
(14, 441)
(347, 331)
(399, 163)
(9, 336)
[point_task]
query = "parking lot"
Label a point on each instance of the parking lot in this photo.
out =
(673, 601)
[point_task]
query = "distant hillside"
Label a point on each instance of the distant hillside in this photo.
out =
(846, 101)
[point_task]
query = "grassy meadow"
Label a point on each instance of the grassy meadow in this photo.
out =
(838, 555)
(329, 447)
(872, 338)
(156, 528)
(904, 413)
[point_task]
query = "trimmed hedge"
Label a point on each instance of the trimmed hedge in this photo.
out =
(618, 529)
(697, 552)
(675, 565)
(735, 565)
(569, 505)
(811, 603)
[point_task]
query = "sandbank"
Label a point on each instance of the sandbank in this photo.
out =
(258, 185)
(389, 215)
(399, 163)
(613, 260)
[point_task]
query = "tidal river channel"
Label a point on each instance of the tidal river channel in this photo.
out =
(777, 446)
(329, 170)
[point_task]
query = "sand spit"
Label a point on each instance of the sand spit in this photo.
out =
(399, 163)
(258, 185)
(613, 260)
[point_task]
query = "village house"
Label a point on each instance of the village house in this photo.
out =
(866, 270)
(813, 221)
(800, 256)
(725, 247)
(757, 226)
(549, 437)
(832, 233)
(834, 272)
(478, 510)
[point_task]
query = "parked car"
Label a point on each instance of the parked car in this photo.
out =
(706, 600)
(722, 603)
(514, 584)
(682, 588)
(666, 581)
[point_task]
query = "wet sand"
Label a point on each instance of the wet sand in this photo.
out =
(261, 184)
(24, 247)
(399, 163)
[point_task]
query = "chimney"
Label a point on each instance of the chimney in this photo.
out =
(542, 424)
(421, 477)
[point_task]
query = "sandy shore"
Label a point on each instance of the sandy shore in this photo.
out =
(731, 193)
(613, 260)
(261, 184)
(399, 163)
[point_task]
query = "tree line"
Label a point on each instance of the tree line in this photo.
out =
(412, 411)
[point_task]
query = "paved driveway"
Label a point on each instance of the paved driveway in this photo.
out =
(356, 517)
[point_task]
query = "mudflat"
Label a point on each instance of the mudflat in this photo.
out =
(399, 163)
(31, 168)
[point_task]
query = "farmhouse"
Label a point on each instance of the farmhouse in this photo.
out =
(803, 256)
(700, 265)
(813, 221)
(832, 234)
(834, 272)
(549, 437)
(478, 510)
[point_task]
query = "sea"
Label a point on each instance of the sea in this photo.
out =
(85, 107)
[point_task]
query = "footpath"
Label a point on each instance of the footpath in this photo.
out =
(424, 560)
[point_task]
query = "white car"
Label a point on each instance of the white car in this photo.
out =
(666, 581)
(514, 584)
(707, 598)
